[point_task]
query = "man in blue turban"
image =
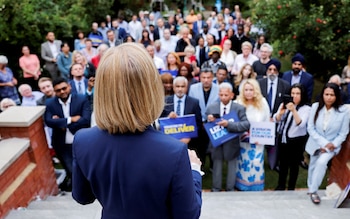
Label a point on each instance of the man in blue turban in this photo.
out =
(299, 75)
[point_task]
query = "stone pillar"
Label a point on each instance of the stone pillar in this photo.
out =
(30, 174)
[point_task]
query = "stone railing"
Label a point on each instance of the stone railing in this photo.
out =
(26, 169)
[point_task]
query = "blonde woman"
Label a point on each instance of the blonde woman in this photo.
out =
(89, 68)
(245, 73)
(173, 61)
(123, 162)
(250, 171)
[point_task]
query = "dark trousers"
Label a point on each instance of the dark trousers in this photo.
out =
(289, 155)
(65, 155)
(202, 147)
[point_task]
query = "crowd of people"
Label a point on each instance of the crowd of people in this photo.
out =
(207, 66)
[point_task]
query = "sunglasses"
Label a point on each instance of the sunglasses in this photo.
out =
(61, 89)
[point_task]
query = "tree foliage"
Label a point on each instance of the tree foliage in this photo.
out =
(319, 29)
(28, 21)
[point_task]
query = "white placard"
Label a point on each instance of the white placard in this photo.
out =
(262, 133)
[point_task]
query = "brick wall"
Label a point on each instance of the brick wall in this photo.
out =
(340, 169)
(35, 164)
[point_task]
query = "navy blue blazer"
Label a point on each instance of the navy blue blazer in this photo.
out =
(79, 106)
(121, 33)
(90, 96)
(306, 80)
(195, 28)
(191, 107)
(135, 175)
(283, 88)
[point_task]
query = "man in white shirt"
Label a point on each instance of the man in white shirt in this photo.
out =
(135, 28)
(66, 113)
(157, 61)
(245, 57)
(168, 41)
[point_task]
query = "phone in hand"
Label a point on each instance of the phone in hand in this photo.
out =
(217, 116)
(287, 99)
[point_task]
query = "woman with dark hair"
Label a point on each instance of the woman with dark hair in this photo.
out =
(185, 70)
(292, 116)
(145, 39)
(129, 39)
(79, 43)
(167, 80)
(328, 127)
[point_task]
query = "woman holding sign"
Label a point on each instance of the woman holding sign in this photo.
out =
(328, 127)
(292, 116)
(250, 172)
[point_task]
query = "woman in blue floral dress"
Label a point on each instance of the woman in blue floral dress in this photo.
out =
(250, 170)
(7, 82)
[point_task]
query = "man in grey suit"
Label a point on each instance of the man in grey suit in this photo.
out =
(49, 52)
(229, 150)
(206, 92)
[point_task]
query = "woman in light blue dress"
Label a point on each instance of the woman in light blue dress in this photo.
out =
(250, 170)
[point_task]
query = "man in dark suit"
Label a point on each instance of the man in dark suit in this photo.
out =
(180, 104)
(299, 75)
(277, 86)
(49, 52)
(112, 40)
(198, 26)
(81, 85)
(229, 150)
(66, 113)
(158, 31)
(120, 33)
(273, 89)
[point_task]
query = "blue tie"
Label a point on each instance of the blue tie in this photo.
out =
(269, 97)
(178, 108)
(79, 87)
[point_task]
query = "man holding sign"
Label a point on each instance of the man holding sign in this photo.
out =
(229, 150)
(180, 104)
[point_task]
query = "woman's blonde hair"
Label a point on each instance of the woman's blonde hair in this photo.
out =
(258, 97)
(128, 90)
(239, 77)
(74, 54)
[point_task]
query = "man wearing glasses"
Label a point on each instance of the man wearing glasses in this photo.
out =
(66, 113)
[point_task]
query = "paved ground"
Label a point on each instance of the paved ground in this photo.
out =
(222, 205)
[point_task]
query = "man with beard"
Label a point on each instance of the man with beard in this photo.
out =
(49, 52)
(273, 89)
(66, 113)
(299, 75)
(207, 93)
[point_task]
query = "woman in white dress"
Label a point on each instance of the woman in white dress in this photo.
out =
(250, 170)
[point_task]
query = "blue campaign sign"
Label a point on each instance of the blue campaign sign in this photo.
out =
(219, 134)
(172, 72)
(180, 127)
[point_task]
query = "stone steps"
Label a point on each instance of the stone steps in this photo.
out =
(220, 205)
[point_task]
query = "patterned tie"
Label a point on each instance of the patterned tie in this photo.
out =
(178, 108)
(79, 87)
(224, 111)
(269, 97)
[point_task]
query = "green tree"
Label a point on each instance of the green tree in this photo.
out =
(319, 29)
(28, 21)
